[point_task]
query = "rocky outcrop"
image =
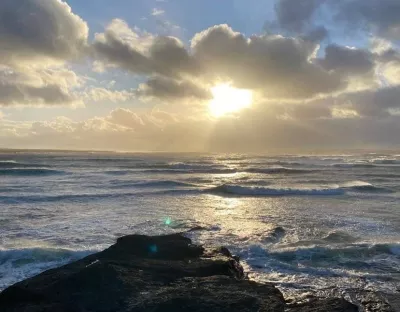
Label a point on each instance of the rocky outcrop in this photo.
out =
(165, 273)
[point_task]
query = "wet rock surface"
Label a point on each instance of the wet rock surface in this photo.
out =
(160, 273)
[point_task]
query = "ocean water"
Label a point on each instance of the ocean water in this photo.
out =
(306, 223)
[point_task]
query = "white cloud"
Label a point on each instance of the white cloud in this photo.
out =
(103, 94)
(157, 12)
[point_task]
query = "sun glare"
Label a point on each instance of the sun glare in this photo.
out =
(227, 99)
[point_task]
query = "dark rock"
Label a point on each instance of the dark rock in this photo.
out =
(375, 301)
(157, 274)
(141, 273)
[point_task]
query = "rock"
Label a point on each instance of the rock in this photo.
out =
(142, 273)
(157, 274)
(375, 301)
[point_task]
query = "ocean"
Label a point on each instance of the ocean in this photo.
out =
(304, 222)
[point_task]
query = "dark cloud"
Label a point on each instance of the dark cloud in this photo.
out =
(306, 112)
(34, 29)
(316, 34)
(349, 61)
(373, 102)
(141, 53)
(380, 17)
(170, 89)
(295, 15)
(20, 94)
(36, 38)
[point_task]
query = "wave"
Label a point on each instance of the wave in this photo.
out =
(170, 171)
(354, 165)
(173, 166)
(263, 191)
(269, 162)
(29, 172)
(361, 186)
(11, 164)
(152, 184)
(19, 264)
(383, 176)
(63, 198)
(146, 171)
(385, 161)
(240, 190)
(278, 170)
(339, 237)
(197, 166)
(354, 251)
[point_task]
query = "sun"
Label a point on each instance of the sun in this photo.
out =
(227, 99)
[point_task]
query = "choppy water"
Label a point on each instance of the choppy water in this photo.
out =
(303, 222)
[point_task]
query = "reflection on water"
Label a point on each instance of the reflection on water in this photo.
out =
(304, 222)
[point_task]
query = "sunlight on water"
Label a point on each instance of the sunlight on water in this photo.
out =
(299, 221)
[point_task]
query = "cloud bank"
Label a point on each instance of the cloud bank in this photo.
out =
(308, 89)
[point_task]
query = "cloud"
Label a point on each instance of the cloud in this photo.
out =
(157, 12)
(280, 67)
(373, 102)
(102, 94)
(126, 118)
(388, 63)
(39, 31)
(317, 34)
(277, 66)
(380, 17)
(140, 53)
(37, 38)
(121, 129)
(124, 129)
(34, 87)
(295, 15)
(170, 89)
(29, 95)
(356, 66)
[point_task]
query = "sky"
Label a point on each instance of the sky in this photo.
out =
(200, 75)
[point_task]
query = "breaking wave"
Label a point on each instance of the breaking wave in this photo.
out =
(318, 253)
(385, 161)
(18, 264)
(361, 186)
(239, 190)
(263, 191)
